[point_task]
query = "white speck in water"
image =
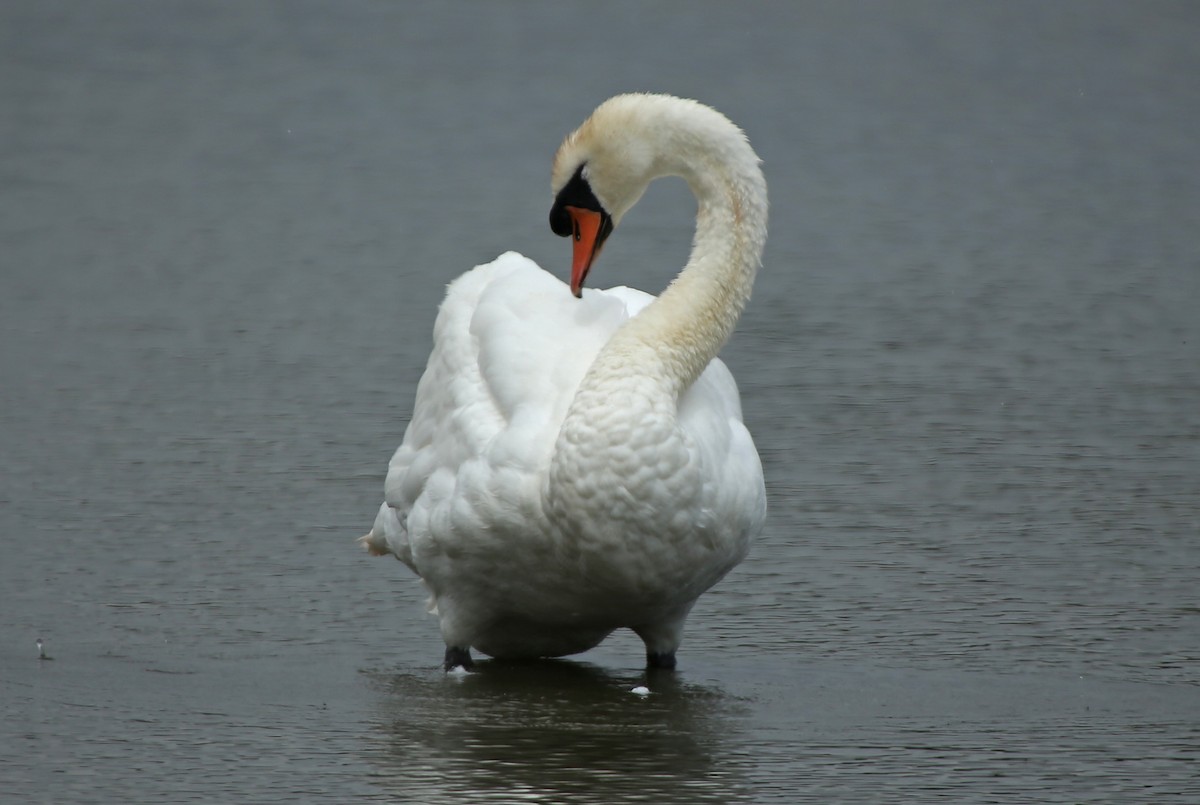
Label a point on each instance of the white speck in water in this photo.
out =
(641, 690)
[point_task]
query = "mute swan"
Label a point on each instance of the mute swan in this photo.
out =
(578, 465)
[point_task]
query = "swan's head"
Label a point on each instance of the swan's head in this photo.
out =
(579, 213)
(604, 166)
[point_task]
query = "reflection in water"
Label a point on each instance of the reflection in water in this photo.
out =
(556, 730)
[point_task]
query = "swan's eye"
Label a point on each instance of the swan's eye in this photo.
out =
(560, 220)
(576, 193)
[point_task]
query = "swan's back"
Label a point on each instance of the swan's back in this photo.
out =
(510, 348)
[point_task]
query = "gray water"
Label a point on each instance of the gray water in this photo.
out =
(972, 365)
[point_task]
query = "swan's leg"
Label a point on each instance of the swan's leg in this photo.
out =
(456, 637)
(664, 662)
(662, 639)
(457, 657)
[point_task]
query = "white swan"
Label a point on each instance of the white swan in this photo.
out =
(574, 466)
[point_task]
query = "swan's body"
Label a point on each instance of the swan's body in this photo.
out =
(574, 466)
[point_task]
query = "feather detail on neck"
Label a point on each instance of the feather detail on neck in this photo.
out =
(631, 392)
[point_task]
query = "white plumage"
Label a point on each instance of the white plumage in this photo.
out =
(574, 466)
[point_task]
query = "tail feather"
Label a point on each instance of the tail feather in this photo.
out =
(374, 543)
(386, 535)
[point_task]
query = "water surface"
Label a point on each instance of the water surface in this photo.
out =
(972, 365)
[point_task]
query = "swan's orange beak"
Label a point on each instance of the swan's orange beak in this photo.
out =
(588, 226)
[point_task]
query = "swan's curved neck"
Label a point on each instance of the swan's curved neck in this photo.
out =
(627, 404)
(676, 337)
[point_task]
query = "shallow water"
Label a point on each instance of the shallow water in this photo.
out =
(972, 366)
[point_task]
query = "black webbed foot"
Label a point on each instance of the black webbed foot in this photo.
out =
(458, 658)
